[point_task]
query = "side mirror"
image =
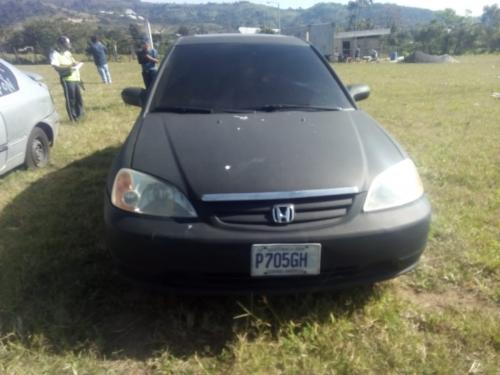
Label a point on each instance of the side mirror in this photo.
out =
(134, 96)
(359, 91)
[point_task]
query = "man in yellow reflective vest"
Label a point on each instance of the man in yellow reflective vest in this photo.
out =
(69, 72)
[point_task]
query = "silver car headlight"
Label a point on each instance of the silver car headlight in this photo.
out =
(143, 194)
(396, 186)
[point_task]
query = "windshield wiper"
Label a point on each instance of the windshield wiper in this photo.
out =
(292, 107)
(179, 109)
(235, 110)
(263, 108)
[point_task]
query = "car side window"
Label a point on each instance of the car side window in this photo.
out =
(8, 82)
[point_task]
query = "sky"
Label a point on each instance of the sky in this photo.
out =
(460, 6)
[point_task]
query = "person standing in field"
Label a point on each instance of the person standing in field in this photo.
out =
(69, 73)
(99, 53)
(148, 58)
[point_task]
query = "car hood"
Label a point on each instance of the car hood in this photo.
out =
(34, 76)
(261, 152)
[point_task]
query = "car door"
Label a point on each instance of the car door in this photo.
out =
(12, 111)
(3, 143)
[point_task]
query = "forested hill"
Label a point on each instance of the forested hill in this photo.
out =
(226, 17)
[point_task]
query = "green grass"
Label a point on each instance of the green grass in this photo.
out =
(63, 310)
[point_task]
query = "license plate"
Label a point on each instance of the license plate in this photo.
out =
(285, 259)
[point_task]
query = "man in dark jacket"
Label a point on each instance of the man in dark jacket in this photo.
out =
(99, 52)
(148, 58)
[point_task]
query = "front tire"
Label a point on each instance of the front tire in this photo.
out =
(38, 149)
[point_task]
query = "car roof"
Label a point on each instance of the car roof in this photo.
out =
(241, 39)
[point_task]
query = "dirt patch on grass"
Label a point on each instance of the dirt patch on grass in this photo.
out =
(454, 299)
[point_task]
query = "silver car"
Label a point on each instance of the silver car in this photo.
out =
(28, 119)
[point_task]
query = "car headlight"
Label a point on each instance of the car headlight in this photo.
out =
(143, 194)
(396, 186)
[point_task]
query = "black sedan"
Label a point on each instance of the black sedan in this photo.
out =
(250, 169)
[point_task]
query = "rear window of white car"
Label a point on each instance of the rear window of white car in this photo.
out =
(8, 82)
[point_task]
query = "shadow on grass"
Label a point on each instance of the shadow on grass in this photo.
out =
(58, 288)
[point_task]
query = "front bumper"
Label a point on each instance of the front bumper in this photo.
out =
(202, 257)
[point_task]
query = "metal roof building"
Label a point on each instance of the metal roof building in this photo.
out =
(366, 40)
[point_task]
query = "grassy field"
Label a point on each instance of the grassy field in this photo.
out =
(63, 310)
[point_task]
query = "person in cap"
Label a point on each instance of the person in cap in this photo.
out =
(99, 53)
(68, 69)
(148, 58)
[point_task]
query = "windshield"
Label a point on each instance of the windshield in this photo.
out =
(227, 76)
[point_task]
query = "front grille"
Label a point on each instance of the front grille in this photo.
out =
(260, 212)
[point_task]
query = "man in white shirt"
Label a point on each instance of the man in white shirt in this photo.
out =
(69, 72)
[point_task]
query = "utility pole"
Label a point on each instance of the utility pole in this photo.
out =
(149, 34)
(279, 13)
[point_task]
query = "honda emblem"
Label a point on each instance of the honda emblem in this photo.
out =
(283, 213)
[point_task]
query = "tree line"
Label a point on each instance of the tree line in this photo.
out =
(451, 34)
